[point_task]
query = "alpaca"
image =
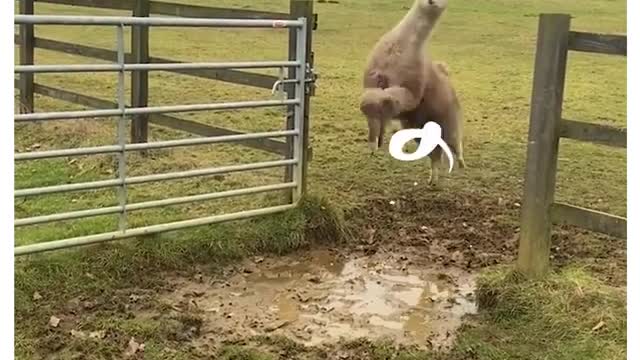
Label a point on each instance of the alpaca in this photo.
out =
(439, 104)
(395, 77)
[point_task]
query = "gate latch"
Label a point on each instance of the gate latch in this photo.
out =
(310, 80)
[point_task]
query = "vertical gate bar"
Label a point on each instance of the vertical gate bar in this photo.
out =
(301, 70)
(122, 132)
(309, 59)
(294, 12)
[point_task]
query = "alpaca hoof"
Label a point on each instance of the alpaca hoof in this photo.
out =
(434, 181)
(461, 163)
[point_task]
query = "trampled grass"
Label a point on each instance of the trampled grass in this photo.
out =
(489, 47)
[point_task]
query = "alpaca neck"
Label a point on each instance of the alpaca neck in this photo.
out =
(416, 27)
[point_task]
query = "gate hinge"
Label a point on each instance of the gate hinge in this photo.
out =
(315, 22)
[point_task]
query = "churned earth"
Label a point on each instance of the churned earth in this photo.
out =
(323, 297)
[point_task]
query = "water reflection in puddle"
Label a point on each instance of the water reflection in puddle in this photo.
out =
(322, 298)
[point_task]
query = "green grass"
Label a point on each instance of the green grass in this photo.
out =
(563, 312)
(489, 46)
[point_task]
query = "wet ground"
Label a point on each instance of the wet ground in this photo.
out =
(321, 297)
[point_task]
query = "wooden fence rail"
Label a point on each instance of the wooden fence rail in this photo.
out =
(546, 127)
(140, 54)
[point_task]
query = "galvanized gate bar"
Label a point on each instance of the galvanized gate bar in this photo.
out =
(153, 21)
(299, 108)
(152, 178)
(60, 115)
(147, 230)
(122, 135)
(34, 69)
(151, 204)
(123, 113)
(111, 149)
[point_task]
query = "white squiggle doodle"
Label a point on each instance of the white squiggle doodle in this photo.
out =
(430, 136)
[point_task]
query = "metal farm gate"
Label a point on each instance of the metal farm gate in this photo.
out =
(300, 75)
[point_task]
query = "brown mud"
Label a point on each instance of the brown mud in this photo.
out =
(323, 297)
(407, 274)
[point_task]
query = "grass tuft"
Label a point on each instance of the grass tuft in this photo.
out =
(572, 315)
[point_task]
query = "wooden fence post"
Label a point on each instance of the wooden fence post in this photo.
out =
(27, 44)
(140, 78)
(542, 149)
(297, 9)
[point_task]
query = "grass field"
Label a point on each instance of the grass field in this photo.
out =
(489, 47)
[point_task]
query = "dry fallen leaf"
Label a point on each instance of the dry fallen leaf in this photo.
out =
(598, 326)
(78, 334)
(133, 347)
(54, 321)
(97, 334)
(37, 296)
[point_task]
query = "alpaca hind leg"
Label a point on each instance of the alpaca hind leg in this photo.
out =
(452, 136)
(436, 164)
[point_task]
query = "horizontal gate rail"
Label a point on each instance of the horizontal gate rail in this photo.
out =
(60, 115)
(147, 230)
(294, 156)
(172, 9)
(152, 67)
(192, 127)
(112, 149)
(153, 21)
(150, 204)
(93, 185)
(228, 75)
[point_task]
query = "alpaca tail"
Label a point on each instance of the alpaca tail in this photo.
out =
(442, 67)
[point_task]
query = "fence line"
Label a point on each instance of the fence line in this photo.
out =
(192, 127)
(546, 127)
(124, 112)
(139, 79)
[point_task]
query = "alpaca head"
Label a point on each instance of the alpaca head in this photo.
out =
(432, 8)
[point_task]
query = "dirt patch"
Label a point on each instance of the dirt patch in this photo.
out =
(469, 231)
(474, 230)
(323, 297)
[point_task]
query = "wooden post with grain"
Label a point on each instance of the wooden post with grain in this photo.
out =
(27, 45)
(140, 78)
(542, 149)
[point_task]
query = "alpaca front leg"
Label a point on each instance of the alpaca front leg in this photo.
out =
(374, 132)
(399, 100)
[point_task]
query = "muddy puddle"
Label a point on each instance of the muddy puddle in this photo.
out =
(322, 297)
